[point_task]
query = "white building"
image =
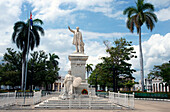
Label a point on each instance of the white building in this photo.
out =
(57, 85)
(154, 85)
(159, 86)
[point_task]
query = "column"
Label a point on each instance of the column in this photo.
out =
(165, 87)
(153, 87)
(53, 88)
(159, 87)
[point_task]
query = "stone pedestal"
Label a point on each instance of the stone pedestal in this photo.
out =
(78, 62)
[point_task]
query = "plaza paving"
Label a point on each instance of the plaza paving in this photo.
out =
(140, 106)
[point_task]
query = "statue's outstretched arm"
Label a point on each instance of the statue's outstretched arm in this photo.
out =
(71, 29)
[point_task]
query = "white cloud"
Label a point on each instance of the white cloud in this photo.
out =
(9, 11)
(62, 9)
(163, 14)
(159, 3)
(95, 51)
(96, 35)
(163, 9)
(156, 51)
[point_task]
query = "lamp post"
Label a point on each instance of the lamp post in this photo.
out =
(114, 84)
(96, 84)
(32, 73)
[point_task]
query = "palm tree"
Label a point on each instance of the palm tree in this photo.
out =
(89, 69)
(53, 60)
(20, 36)
(137, 16)
(52, 68)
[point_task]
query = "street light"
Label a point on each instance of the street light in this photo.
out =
(96, 83)
(32, 73)
(114, 84)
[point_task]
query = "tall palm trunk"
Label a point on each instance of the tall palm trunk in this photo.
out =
(141, 60)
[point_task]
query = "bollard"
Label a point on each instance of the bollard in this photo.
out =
(126, 100)
(89, 100)
(79, 101)
(46, 100)
(118, 97)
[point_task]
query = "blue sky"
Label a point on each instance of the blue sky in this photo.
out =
(98, 20)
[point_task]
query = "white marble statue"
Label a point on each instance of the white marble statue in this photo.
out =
(68, 84)
(77, 40)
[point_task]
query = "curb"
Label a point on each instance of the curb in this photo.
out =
(153, 99)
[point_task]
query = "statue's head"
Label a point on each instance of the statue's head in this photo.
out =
(77, 28)
(69, 71)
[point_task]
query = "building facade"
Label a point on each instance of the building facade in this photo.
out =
(153, 85)
(58, 84)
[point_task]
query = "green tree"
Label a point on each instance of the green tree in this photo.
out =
(10, 78)
(127, 83)
(114, 65)
(53, 60)
(102, 75)
(45, 71)
(11, 68)
(20, 36)
(137, 16)
(38, 60)
(161, 71)
(51, 70)
(41, 71)
(120, 54)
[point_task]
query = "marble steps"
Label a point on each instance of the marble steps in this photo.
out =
(84, 103)
(63, 102)
(76, 106)
(75, 103)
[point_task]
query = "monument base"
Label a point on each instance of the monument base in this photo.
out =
(85, 87)
(78, 70)
(78, 62)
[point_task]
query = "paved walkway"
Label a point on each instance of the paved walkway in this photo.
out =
(140, 106)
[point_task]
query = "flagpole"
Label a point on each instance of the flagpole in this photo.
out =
(27, 58)
(23, 70)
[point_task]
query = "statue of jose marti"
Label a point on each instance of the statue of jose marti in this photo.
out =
(77, 40)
